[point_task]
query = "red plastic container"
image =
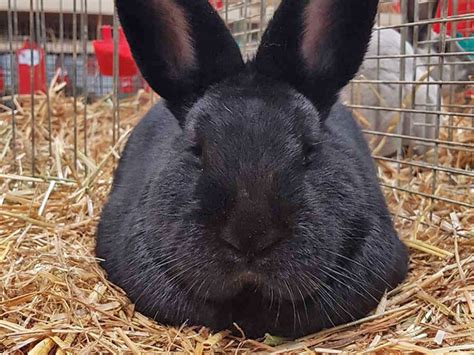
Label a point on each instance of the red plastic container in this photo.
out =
(217, 4)
(465, 7)
(104, 51)
(24, 60)
(465, 28)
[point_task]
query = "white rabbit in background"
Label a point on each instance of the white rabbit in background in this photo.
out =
(386, 95)
(388, 42)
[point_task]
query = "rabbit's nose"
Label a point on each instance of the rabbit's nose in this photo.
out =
(250, 242)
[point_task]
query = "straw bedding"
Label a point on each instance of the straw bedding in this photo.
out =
(54, 299)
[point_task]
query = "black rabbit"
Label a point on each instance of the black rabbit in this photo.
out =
(248, 194)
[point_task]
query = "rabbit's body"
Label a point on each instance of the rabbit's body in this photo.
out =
(254, 199)
(126, 240)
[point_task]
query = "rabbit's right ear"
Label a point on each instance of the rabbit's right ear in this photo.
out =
(181, 46)
(426, 11)
(317, 45)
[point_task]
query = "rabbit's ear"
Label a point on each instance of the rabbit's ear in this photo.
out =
(317, 45)
(426, 11)
(181, 46)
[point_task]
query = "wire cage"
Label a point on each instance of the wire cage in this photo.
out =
(70, 93)
(412, 96)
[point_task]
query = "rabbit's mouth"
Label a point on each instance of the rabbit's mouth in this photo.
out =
(236, 283)
(244, 280)
(266, 287)
(249, 279)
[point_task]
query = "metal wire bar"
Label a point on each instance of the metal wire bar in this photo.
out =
(448, 126)
(453, 38)
(115, 98)
(37, 23)
(85, 56)
(428, 196)
(15, 18)
(263, 14)
(401, 82)
(444, 10)
(443, 20)
(427, 166)
(226, 11)
(407, 110)
(32, 90)
(246, 32)
(458, 106)
(454, 64)
(99, 35)
(416, 33)
(45, 73)
(421, 139)
(419, 55)
(74, 81)
(13, 79)
(61, 36)
(246, 26)
(245, 20)
(401, 94)
(378, 64)
(452, 76)
(451, 127)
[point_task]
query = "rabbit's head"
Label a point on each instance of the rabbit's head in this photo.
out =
(252, 196)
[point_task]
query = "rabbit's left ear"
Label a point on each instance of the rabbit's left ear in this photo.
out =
(181, 46)
(317, 45)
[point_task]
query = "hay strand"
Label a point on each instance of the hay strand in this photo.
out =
(54, 299)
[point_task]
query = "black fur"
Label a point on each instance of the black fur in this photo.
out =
(258, 211)
(216, 54)
(346, 26)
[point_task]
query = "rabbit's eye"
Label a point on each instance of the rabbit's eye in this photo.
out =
(308, 154)
(196, 150)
